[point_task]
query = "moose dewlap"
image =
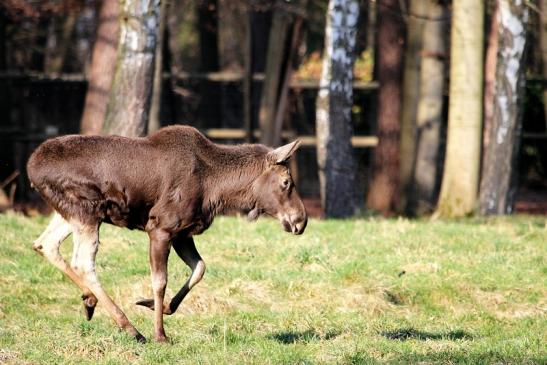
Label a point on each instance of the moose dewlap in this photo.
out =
(170, 184)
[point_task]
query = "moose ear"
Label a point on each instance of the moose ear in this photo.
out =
(283, 153)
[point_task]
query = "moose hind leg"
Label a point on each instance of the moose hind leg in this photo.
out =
(48, 245)
(86, 238)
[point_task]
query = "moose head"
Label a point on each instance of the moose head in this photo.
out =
(275, 192)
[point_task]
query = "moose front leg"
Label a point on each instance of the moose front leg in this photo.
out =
(159, 253)
(186, 250)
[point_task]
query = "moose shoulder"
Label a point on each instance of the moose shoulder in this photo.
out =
(170, 184)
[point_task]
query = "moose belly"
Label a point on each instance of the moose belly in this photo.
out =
(124, 211)
(199, 225)
(132, 218)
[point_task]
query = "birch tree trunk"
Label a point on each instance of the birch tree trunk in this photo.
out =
(411, 87)
(430, 110)
(382, 195)
(490, 78)
(102, 68)
(460, 182)
(128, 107)
(333, 108)
(498, 180)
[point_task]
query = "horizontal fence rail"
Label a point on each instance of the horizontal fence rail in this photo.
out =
(207, 76)
(235, 133)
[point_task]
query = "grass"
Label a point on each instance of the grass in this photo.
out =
(346, 292)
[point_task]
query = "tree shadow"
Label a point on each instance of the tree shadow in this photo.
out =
(411, 333)
(290, 337)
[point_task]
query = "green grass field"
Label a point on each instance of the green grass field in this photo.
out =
(346, 292)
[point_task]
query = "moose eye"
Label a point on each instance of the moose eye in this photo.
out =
(285, 183)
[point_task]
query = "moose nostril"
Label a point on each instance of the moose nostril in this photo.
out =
(300, 227)
(295, 224)
(286, 225)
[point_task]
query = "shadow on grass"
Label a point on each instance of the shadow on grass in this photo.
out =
(290, 337)
(411, 333)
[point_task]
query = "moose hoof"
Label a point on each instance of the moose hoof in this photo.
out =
(149, 303)
(90, 302)
(140, 338)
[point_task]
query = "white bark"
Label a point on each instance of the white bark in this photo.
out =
(333, 118)
(497, 185)
(511, 25)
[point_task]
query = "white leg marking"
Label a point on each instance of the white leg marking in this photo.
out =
(159, 282)
(86, 245)
(48, 245)
(197, 274)
(50, 240)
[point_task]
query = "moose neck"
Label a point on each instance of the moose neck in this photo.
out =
(229, 183)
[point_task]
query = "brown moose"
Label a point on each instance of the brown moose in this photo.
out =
(170, 184)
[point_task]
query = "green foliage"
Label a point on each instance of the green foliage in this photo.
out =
(360, 291)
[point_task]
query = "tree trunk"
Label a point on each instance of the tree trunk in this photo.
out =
(274, 71)
(3, 40)
(210, 93)
(232, 33)
(248, 77)
(334, 101)
(461, 169)
(128, 107)
(372, 13)
(208, 35)
(284, 89)
(58, 42)
(411, 89)
(430, 110)
(38, 42)
(85, 31)
(382, 193)
(103, 62)
(154, 122)
(543, 45)
(490, 78)
(497, 185)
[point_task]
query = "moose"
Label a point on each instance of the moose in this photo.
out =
(170, 184)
